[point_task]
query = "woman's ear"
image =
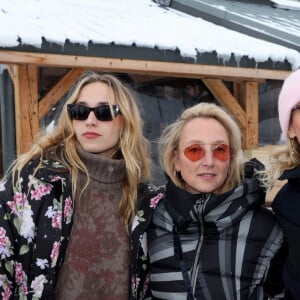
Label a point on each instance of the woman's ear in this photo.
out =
(176, 161)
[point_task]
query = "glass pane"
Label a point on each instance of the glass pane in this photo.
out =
(269, 128)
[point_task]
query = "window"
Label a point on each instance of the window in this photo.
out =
(162, 99)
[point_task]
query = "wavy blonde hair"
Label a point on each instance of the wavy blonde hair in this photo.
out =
(133, 146)
(284, 157)
(170, 137)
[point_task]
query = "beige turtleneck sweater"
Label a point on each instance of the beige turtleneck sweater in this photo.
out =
(96, 265)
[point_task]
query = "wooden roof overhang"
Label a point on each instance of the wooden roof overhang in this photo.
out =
(29, 108)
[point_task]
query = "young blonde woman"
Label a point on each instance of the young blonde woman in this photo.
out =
(211, 238)
(284, 164)
(67, 206)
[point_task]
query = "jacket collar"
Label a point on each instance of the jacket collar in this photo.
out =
(292, 175)
(223, 209)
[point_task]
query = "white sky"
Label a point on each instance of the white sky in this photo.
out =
(125, 22)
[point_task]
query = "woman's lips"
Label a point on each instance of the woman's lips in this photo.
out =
(91, 135)
(207, 175)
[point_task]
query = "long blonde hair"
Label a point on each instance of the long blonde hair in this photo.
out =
(133, 146)
(170, 137)
(284, 157)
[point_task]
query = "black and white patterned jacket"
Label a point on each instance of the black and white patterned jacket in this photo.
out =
(209, 246)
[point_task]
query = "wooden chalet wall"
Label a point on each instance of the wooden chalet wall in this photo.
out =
(29, 109)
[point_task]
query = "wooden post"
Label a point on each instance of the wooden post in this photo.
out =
(26, 79)
(249, 101)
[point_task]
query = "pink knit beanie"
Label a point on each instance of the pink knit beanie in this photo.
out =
(289, 96)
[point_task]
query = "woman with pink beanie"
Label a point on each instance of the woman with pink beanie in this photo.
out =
(284, 164)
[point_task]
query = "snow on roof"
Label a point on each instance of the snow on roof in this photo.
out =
(127, 22)
(287, 4)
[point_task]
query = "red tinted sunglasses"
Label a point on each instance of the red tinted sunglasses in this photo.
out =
(196, 152)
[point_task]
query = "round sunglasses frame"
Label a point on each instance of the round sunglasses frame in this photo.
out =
(196, 152)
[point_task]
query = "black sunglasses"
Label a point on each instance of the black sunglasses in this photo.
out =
(102, 112)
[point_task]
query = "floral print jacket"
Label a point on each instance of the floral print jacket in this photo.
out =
(36, 214)
(35, 221)
(148, 198)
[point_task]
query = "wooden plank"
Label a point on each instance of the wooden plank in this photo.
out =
(141, 66)
(19, 70)
(26, 106)
(225, 97)
(249, 101)
(236, 91)
(58, 91)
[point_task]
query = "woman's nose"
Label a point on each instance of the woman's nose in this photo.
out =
(91, 119)
(208, 158)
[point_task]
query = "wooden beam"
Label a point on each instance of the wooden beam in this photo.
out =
(249, 101)
(11, 72)
(225, 97)
(26, 105)
(58, 91)
(236, 91)
(141, 66)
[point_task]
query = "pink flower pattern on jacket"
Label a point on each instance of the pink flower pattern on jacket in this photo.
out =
(155, 200)
(29, 201)
(143, 216)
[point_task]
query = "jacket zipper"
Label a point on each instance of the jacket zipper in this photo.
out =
(200, 204)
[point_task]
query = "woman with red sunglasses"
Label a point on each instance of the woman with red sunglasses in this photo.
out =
(211, 237)
(66, 206)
